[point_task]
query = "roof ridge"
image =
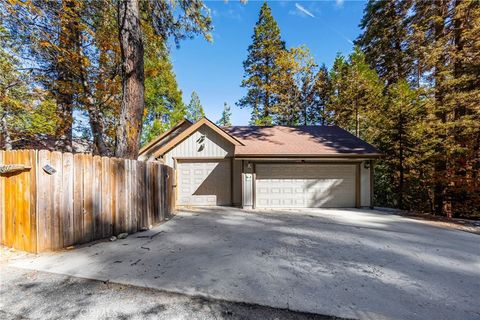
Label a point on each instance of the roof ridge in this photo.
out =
(285, 126)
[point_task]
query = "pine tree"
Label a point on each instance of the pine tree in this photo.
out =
(356, 93)
(385, 43)
(195, 110)
(180, 19)
(316, 112)
(225, 120)
(163, 99)
(288, 107)
(445, 38)
(301, 88)
(396, 130)
(385, 37)
(434, 46)
(24, 110)
(260, 67)
(314, 87)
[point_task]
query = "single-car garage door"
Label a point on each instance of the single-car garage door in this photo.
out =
(305, 185)
(204, 182)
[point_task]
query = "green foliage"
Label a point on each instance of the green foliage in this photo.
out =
(284, 86)
(73, 53)
(225, 120)
(163, 100)
(301, 87)
(14, 91)
(195, 110)
(385, 39)
(288, 106)
(316, 112)
(397, 131)
(356, 93)
(179, 19)
(260, 67)
(24, 111)
(429, 127)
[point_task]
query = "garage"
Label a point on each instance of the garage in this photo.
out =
(204, 182)
(266, 166)
(305, 185)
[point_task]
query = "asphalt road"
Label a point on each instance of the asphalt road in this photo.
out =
(27, 294)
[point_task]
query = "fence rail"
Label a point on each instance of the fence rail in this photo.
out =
(61, 199)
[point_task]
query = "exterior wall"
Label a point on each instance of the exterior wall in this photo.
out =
(237, 183)
(203, 143)
(364, 185)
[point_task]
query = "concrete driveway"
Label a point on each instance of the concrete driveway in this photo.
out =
(348, 263)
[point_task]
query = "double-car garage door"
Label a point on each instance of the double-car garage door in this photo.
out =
(305, 185)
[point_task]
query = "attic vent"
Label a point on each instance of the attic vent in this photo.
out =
(201, 139)
(201, 143)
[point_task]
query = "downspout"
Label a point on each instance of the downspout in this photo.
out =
(372, 162)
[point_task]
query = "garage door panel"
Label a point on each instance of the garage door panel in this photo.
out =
(305, 185)
(204, 182)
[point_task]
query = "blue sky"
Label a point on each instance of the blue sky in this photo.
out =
(215, 69)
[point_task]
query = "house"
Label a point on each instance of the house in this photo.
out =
(266, 167)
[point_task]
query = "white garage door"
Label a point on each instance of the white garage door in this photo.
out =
(204, 182)
(305, 185)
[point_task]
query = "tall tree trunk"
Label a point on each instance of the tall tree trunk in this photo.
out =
(357, 119)
(305, 115)
(401, 166)
(95, 117)
(132, 107)
(69, 38)
(460, 180)
(64, 129)
(5, 135)
(440, 163)
(96, 124)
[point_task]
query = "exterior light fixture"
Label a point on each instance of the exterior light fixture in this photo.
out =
(366, 164)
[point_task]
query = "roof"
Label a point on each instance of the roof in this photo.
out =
(190, 130)
(307, 141)
(270, 141)
(154, 142)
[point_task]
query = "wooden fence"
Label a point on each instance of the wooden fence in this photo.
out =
(86, 198)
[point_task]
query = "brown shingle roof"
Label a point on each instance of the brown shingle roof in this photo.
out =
(299, 141)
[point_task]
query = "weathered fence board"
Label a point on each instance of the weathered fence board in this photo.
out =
(86, 198)
(68, 199)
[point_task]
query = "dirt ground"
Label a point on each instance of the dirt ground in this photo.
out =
(472, 226)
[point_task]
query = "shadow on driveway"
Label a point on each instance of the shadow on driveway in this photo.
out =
(348, 263)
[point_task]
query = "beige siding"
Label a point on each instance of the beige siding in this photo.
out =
(364, 185)
(212, 146)
(237, 183)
